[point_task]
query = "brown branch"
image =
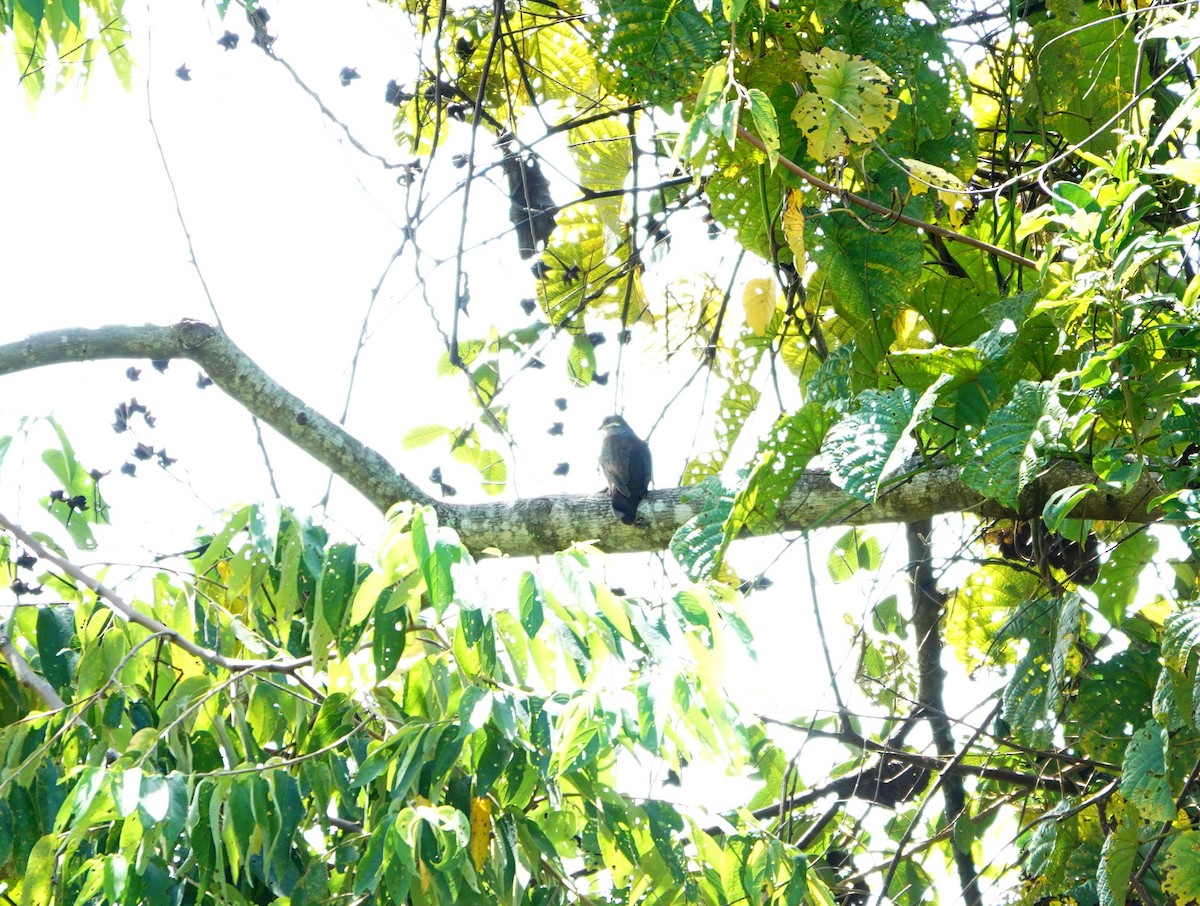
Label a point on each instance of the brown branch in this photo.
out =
(542, 525)
(875, 208)
(867, 779)
(927, 602)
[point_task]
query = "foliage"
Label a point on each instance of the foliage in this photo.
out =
(63, 38)
(413, 731)
(484, 765)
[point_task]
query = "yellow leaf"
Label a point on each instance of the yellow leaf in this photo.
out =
(848, 103)
(1183, 169)
(758, 299)
(950, 189)
(793, 226)
(481, 830)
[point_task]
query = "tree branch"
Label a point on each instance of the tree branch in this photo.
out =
(875, 208)
(26, 676)
(133, 615)
(927, 603)
(542, 525)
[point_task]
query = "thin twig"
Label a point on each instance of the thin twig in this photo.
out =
(133, 615)
(876, 208)
(27, 677)
(195, 261)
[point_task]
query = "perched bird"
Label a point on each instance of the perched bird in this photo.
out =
(625, 461)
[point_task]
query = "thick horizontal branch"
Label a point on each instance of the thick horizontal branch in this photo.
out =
(539, 525)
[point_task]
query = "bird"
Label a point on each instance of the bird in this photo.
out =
(625, 462)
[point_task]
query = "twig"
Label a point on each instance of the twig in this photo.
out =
(26, 675)
(187, 236)
(876, 208)
(133, 615)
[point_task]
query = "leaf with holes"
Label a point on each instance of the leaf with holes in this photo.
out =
(1143, 774)
(869, 443)
(1011, 448)
(848, 104)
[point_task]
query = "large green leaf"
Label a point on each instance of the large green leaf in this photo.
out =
(1012, 447)
(1026, 702)
(782, 457)
(1143, 774)
(656, 47)
(866, 445)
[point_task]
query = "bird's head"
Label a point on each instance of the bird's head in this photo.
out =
(614, 424)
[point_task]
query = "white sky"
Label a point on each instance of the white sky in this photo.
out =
(292, 228)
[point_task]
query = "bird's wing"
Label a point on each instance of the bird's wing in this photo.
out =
(617, 461)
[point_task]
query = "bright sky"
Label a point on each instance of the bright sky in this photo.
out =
(292, 229)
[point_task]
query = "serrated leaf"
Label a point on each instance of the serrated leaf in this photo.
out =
(1116, 864)
(782, 457)
(581, 360)
(870, 442)
(1010, 450)
(426, 434)
(1026, 704)
(1143, 774)
(1181, 635)
(696, 544)
(1182, 869)
(854, 552)
(848, 104)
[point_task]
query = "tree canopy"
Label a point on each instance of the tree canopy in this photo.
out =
(934, 264)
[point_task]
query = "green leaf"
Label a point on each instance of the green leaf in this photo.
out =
(1143, 774)
(766, 123)
(529, 597)
(1182, 868)
(39, 873)
(581, 360)
(426, 434)
(1026, 704)
(797, 885)
(870, 442)
(854, 552)
(1011, 449)
(1062, 502)
(697, 543)
(333, 721)
(387, 645)
(781, 459)
(1117, 584)
(55, 639)
(366, 878)
(335, 591)
(36, 10)
(1180, 637)
(436, 556)
(1116, 864)
(670, 41)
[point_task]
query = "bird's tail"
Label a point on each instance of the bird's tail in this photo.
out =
(624, 507)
